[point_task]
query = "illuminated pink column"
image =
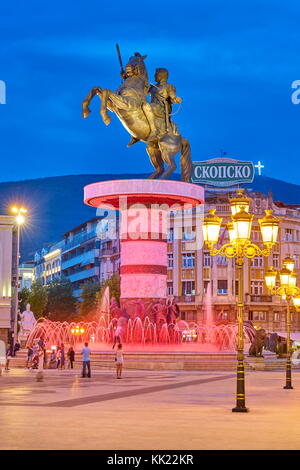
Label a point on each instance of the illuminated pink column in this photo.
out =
(144, 206)
(143, 252)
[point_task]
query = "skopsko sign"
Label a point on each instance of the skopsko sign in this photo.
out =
(222, 172)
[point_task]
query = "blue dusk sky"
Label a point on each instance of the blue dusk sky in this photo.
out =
(232, 62)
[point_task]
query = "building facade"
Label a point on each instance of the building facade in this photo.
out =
(198, 280)
(8, 281)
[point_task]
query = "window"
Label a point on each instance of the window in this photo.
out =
(188, 288)
(250, 316)
(257, 287)
(296, 258)
(222, 260)
(256, 234)
(171, 235)
(170, 260)
(276, 261)
(206, 259)
(189, 235)
(222, 287)
(188, 316)
(276, 316)
(188, 260)
(257, 262)
(260, 316)
(288, 235)
(170, 289)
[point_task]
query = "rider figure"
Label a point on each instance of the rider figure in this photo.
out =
(163, 95)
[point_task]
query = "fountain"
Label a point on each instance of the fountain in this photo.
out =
(156, 327)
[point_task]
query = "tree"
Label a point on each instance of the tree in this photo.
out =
(23, 298)
(61, 302)
(38, 298)
(89, 302)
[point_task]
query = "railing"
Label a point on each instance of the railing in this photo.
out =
(260, 298)
(78, 239)
(108, 251)
(185, 298)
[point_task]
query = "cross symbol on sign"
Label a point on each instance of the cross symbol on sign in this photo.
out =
(259, 166)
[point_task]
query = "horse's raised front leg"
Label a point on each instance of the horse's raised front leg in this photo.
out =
(85, 103)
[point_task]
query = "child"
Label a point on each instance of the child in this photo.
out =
(119, 361)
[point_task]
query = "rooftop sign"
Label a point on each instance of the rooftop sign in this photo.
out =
(222, 172)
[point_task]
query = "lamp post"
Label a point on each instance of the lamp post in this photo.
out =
(289, 291)
(19, 212)
(240, 247)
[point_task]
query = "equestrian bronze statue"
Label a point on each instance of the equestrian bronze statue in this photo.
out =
(149, 122)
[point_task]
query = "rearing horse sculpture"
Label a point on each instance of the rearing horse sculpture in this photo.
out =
(129, 103)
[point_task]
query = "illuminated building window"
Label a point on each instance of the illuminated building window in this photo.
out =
(206, 259)
(257, 262)
(276, 316)
(188, 260)
(276, 261)
(288, 235)
(170, 288)
(171, 235)
(170, 260)
(257, 287)
(259, 316)
(222, 287)
(188, 288)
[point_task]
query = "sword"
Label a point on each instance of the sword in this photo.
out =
(120, 59)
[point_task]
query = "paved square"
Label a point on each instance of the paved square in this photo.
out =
(147, 410)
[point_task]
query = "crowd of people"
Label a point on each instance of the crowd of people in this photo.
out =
(56, 359)
(38, 357)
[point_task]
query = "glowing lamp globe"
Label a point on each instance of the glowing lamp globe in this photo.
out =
(269, 226)
(239, 202)
(289, 263)
(285, 275)
(270, 278)
(242, 222)
(231, 232)
(293, 280)
(296, 301)
(211, 227)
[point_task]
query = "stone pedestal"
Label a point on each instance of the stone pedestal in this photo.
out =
(144, 207)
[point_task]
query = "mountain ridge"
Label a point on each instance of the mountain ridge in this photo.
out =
(55, 203)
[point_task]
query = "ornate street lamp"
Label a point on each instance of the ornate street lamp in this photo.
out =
(288, 291)
(240, 247)
(19, 212)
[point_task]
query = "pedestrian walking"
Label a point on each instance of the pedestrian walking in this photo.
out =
(119, 361)
(8, 356)
(71, 357)
(86, 361)
(58, 358)
(62, 357)
(29, 356)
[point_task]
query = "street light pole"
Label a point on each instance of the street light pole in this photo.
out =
(240, 247)
(20, 219)
(289, 291)
(15, 318)
(288, 384)
(240, 384)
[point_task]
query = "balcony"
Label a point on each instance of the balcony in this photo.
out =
(185, 298)
(78, 240)
(84, 274)
(87, 257)
(109, 251)
(260, 298)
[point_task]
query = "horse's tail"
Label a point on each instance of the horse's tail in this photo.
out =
(185, 161)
